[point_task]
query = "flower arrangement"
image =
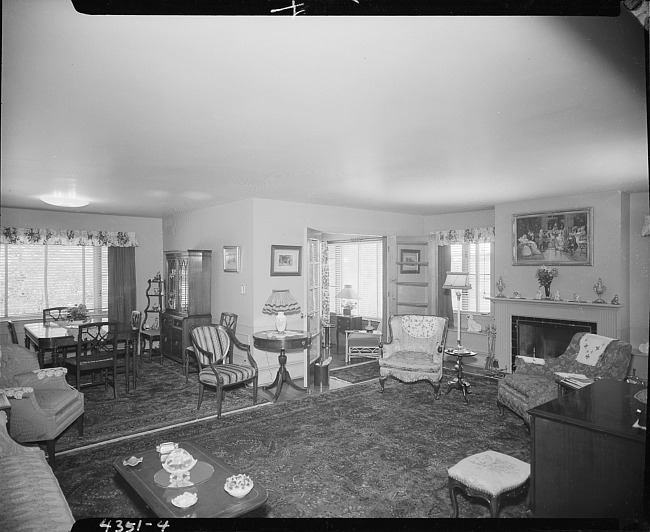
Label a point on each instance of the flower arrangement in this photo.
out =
(78, 313)
(545, 275)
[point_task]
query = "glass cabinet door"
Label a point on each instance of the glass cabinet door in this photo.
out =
(183, 291)
(172, 285)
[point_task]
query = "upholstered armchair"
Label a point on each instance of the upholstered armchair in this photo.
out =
(535, 381)
(414, 350)
(43, 404)
(211, 347)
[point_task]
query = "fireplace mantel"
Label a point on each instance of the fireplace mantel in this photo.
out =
(605, 315)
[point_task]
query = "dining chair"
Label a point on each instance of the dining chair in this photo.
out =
(211, 346)
(55, 314)
(96, 352)
(12, 331)
(229, 320)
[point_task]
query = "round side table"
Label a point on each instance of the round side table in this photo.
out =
(459, 382)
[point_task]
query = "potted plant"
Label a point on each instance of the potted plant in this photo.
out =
(78, 313)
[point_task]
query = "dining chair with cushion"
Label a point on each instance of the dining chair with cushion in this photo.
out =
(414, 350)
(229, 320)
(535, 380)
(211, 346)
(97, 353)
(43, 404)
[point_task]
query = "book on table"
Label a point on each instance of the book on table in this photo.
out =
(575, 380)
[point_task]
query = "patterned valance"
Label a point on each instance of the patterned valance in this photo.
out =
(67, 237)
(476, 235)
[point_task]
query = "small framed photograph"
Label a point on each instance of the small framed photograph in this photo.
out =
(231, 259)
(554, 238)
(286, 260)
(409, 261)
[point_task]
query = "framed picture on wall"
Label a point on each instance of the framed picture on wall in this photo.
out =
(286, 260)
(409, 261)
(553, 238)
(231, 259)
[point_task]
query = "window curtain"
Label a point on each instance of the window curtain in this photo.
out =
(475, 235)
(66, 237)
(325, 282)
(445, 305)
(121, 284)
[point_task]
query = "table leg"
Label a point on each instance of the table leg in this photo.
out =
(282, 376)
(459, 382)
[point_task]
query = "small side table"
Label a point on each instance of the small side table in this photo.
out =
(459, 382)
(5, 406)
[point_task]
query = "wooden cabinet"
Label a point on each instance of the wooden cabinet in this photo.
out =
(188, 281)
(588, 459)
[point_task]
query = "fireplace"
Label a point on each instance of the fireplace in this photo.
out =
(545, 337)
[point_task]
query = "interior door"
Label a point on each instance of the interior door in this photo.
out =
(313, 293)
(412, 273)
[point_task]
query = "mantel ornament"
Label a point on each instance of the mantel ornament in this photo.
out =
(501, 286)
(600, 289)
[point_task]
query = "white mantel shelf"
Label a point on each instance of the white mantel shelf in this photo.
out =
(604, 315)
(552, 302)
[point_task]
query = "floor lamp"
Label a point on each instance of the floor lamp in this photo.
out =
(458, 281)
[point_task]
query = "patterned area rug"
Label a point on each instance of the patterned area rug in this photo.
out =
(162, 399)
(352, 452)
(358, 372)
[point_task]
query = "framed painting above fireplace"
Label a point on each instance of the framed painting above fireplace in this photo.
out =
(553, 238)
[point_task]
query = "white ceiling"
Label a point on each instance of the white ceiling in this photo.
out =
(146, 115)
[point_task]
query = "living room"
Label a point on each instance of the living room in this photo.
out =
(262, 218)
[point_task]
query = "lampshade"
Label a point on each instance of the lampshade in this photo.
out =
(281, 302)
(347, 293)
(457, 281)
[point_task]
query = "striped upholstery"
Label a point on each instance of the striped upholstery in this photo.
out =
(211, 345)
(227, 373)
(211, 339)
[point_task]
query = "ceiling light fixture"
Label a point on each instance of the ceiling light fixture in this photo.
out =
(64, 201)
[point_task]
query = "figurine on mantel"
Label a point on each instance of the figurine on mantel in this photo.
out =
(615, 300)
(557, 296)
(577, 297)
(538, 295)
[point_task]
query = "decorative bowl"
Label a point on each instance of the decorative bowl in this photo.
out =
(185, 500)
(238, 485)
(179, 461)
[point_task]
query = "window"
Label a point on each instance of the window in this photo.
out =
(477, 260)
(35, 277)
(359, 264)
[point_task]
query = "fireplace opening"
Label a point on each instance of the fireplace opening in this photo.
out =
(544, 337)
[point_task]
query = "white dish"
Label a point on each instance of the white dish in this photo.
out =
(185, 500)
(238, 485)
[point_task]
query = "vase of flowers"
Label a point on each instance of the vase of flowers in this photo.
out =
(78, 313)
(545, 276)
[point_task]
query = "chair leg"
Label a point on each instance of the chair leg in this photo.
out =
(80, 425)
(382, 380)
(200, 395)
(454, 502)
(50, 453)
(220, 394)
(255, 390)
(436, 390)
(494, 507)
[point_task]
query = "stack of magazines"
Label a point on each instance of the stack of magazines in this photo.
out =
(576, 380)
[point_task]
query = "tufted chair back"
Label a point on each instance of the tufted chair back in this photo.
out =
(414, 332)
(211, 343)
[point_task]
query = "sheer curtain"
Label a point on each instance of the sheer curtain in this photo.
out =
(121, 284)
(445, 304)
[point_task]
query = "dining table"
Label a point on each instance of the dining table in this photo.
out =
(60, 336)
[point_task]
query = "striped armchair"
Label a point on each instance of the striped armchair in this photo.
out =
(211, 346)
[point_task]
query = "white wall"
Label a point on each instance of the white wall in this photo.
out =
(148, 231)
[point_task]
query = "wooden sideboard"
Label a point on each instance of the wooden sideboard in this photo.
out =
(588, 460)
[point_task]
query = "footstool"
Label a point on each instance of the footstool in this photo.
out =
(489, 475)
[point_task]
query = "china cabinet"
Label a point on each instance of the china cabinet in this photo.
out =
(188, 282)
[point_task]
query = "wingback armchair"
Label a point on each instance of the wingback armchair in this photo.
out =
(43, 404)
(535, 382)
(414, 350)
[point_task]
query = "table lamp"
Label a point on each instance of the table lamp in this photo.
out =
(458, 281)
(281, 302)
(348, 293)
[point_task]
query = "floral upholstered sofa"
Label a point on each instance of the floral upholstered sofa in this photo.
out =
(30, 495)
(535, 381)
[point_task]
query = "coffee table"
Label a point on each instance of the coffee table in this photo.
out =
(213, 500)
